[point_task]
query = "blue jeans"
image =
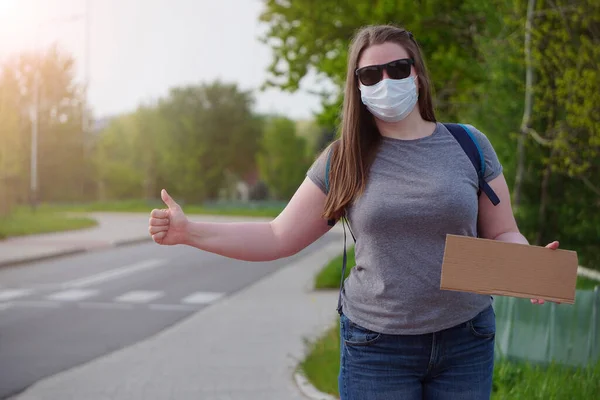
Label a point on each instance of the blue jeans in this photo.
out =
(453, 364)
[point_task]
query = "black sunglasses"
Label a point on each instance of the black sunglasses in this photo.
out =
(373, 74)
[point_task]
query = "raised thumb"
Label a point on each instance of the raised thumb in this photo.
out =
(168, 200)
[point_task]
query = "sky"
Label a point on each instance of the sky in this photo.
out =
(138, 49)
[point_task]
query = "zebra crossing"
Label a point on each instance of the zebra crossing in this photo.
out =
(93, 298)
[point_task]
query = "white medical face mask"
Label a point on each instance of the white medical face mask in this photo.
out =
(390, 100)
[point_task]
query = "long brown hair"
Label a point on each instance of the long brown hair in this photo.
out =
(355, 151)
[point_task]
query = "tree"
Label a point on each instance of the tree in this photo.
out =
(476, 53)
(211, 130)
(191, 141)
(12, 155)
(310, 130)
(150, 135)
(44, 83)
(542, 69)
(567, 98)
(115, 156)
(283, 158)
(307, 34)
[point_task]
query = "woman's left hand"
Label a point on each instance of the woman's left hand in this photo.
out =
(553, 246)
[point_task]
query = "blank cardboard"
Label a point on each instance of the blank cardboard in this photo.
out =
(509, 269)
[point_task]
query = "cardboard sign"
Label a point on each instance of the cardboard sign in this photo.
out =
(509, 269)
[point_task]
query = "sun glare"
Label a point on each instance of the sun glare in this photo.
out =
(7, 7)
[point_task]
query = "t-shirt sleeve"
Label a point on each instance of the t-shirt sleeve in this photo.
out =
(316, 172)
(493, 166)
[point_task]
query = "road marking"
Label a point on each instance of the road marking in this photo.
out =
(202, 298)
(172, 307)
(72, 295)
(106, 306)
(14, 294)
(139, 296)
(113, 274)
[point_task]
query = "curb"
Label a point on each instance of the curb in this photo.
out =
(45, 257)
(74, 251)
(309, 390)
(128, 242)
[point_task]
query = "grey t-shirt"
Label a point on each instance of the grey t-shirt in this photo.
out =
(417, 192)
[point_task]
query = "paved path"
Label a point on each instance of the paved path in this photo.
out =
(244, 347)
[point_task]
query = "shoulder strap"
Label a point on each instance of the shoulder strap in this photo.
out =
(471, 147)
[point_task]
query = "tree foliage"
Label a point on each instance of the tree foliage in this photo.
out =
(211, 130)
(12, 162)
(475, 52)
(283, 158)
(190, 140)
(309, 35)
(61, 158)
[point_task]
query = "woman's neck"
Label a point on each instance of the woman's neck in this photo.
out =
(410, 128)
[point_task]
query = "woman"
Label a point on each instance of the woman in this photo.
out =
(404, 182)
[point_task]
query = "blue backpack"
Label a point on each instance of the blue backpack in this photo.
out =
(470, 146)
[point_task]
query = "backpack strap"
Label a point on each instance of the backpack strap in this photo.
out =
(471, 147)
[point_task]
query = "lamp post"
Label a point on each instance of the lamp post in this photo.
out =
(86, 71)
(34, 137)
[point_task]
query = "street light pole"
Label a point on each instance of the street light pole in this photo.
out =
(84, 117)
(34, 116)
(84, 109)
(34, 136)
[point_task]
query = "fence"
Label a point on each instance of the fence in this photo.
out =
(561, 333)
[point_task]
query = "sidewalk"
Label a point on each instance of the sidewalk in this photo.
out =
(246, 346)
(113, 229)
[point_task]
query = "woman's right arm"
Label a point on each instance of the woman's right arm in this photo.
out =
(299, 224)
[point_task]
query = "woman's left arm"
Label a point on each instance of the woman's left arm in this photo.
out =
(498, 222)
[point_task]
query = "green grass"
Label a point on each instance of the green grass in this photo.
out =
(584, 283)
(250, 210)
(511, 380)
(24, 221)
(526, 381)
(322, 364)
(109, 206)
(329, 276)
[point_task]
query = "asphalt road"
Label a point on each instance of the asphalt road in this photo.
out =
(58, 314)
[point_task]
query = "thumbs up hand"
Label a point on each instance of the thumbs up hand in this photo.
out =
(168, 226)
